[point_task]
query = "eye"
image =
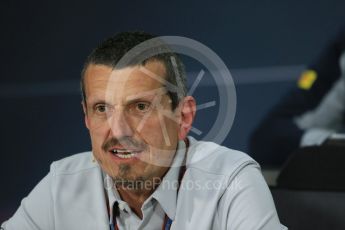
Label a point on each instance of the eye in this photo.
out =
(142, 106)
(100, 108)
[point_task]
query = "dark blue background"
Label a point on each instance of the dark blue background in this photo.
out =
(43, 45)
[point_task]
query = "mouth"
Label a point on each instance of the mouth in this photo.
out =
(124, 153)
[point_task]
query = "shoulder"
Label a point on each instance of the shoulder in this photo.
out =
(74, 164)
(212, 158)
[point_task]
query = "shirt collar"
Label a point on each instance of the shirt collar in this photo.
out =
(166, 193)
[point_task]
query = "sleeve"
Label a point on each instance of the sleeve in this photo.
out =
(247, 203)
(278, 135)
(326, 119)
(35, 211)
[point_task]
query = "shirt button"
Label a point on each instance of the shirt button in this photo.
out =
(122, 206)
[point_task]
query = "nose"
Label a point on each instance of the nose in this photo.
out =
(119, 125)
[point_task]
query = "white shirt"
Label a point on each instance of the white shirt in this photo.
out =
(221, 189)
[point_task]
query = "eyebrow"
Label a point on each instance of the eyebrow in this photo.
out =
(93, 102)
(155, 92)
(131, 98)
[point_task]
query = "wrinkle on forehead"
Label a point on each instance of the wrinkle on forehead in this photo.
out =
(118, 85)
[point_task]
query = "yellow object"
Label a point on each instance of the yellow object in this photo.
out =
(307, 79)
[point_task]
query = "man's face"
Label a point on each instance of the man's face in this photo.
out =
(134, 131)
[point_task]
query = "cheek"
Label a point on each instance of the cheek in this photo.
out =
(98, 135)
(161, 135)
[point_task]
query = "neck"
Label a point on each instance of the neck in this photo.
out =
(135, 197)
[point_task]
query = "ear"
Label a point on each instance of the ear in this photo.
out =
(187, 110)
(86, 120)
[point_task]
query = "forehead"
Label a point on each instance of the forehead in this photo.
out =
(102, 82)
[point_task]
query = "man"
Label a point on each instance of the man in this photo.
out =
(310, 113)
(143, 171)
